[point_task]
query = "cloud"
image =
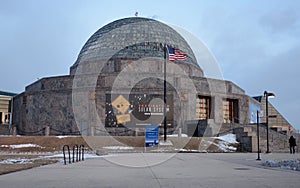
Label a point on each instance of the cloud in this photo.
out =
(155, 17)
(278, 21)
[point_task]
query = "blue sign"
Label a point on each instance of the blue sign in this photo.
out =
(253, 112)
(151, 138)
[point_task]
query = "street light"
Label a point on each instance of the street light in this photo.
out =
(267, 95)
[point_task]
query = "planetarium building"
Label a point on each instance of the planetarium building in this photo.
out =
(116, 87)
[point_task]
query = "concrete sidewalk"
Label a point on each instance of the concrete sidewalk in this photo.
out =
(170, 170)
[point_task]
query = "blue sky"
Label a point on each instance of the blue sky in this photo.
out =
(256, 43)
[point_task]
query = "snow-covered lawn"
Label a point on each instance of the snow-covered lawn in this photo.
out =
(284, 164)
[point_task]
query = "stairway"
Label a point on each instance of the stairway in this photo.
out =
(247, 136)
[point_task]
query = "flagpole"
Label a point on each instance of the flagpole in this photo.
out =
(165, 92)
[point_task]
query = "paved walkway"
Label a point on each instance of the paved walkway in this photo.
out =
(170, 170)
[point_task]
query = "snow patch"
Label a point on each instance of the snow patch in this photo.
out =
(118, 147)
(230, 138)
(176, 135)
(60, 137)
(224, 146)
(224, 143)
(16, 161)
(86, 156)
(187, 150)
(165, 143)
(22, 146)
(284, 164)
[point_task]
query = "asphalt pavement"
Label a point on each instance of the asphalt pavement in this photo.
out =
(160, 170)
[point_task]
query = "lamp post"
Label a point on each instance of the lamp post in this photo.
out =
(257, 123)
(267, 95)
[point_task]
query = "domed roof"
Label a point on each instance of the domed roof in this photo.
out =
(130, 34)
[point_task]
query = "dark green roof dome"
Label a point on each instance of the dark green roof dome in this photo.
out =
(133, 37)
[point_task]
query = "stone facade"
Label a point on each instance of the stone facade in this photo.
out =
(276, 120)
(126, 59)
(5, 107)
(48, 102)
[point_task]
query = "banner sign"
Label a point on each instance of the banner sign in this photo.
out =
(151, 136)
(253, 110)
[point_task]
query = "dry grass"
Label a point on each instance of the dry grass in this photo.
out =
(48, 144)
(52, 144)
(35, 161)
(33, 154)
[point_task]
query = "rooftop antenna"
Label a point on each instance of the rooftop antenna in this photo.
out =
(136, 14)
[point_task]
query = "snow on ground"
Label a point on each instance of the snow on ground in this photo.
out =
(187, 150)
(284, 164)
(118, 147)
(60, 137)
(22, 146)
(27, 161)
(224, 146)
(16, 161)
(230, 138)
(86, 156)
(175, 135)
(225, 142)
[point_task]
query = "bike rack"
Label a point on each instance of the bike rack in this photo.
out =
(75, 147)
(66, 146)
(79, 153)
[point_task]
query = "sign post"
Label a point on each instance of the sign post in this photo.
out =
(151, 136)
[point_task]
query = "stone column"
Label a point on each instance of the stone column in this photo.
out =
(217, 114)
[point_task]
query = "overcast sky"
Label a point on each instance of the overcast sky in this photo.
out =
(256, 43)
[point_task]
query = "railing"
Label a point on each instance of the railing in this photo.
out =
(78, 152)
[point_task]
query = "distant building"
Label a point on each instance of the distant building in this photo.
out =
(276, 120)
(116, 87)
(5, 107)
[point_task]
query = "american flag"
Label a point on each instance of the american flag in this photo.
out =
(176, 54)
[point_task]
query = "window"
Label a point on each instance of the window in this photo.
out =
(7, 118)
(202, 107)
(230, 111)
